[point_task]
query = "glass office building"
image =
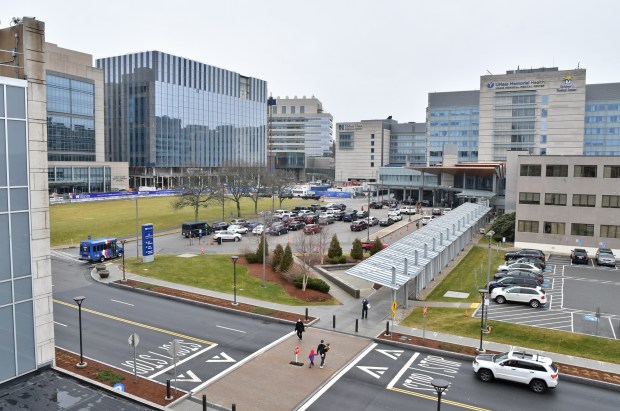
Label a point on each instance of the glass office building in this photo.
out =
(602, 120)
(17, 322)
(408, 144)
(172, 113)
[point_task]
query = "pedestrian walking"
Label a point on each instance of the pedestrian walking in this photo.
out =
(321, 351)
(300, 328)
(365, 306)
(311, 358)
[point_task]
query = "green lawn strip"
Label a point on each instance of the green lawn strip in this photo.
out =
(214, 272)
(468, 276)
(453, 321)
(72, 223)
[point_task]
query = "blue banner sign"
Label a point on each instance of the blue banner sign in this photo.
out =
(148, 250)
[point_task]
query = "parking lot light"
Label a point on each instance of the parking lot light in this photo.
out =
(440, 386)
(234, 259)
(483, 292)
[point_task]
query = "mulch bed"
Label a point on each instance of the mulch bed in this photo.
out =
(564, 368)
(144, 388)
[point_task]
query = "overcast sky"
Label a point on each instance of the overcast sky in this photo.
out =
(363, 59)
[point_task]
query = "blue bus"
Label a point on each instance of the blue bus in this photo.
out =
(100, 249)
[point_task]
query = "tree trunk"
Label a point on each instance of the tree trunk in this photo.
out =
(195, 213)
(239, 209)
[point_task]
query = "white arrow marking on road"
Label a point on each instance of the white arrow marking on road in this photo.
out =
(218, 358)
(376, 372)
(393, 354)
(122, 302)
(194, 378)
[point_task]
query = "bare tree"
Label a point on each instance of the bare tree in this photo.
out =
(281, 182)
(259, 177)
(310, 250)
(239, 179)
(198, 191)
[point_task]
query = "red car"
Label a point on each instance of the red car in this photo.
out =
(312, 229)
(367, 246)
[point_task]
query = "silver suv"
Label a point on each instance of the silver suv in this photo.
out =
(539, 372)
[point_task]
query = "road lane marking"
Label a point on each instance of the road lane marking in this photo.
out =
(393, 354)
(611, 324)
(121, 302)
(376, 372)
(424, 370)
(403, 370)
(64, 325)
(231, 329)
(342, 372)
(443, 400)
(137, 324)
(196, 354)
(223, 357)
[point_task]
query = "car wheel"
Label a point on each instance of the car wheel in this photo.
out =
(119, 255)
(101, 259)
(279, 233)
(534, 303)
(500, 299)
(485, 375)
(538, 386)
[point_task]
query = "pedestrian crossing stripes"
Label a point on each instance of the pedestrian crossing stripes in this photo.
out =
(66, 256)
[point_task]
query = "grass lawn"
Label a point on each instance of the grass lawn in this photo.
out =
(469, 275)
(72, 223)
(213, 272)
(453, 321)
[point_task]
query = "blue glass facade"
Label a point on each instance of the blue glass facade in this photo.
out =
(70, 119)
(602, 128)
(408, 146)
(453, 125)
(168, 111)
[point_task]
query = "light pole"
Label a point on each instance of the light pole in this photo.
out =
(137, 229)
(79, 300)
(234, 259)
(264, 248)
(123, 244)
(483, 292)
(440, 386)
(490, 235)
(369, 191)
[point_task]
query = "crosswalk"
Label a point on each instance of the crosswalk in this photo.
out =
(64, 255)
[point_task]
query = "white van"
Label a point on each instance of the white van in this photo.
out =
(299, 192)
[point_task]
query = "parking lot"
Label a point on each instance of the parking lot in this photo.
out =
(575, 294)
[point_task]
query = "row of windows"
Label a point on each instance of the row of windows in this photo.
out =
(293, 109)
(580, 229)
(602, 107)
(456, 112)
(579, 200)
(346, 140)
(453, 123)
(561, 170)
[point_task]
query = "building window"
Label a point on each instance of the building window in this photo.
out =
(582, 229)
(302, 109)
(372, 165)
(346, 140)
(610, 202)
(555, 199)
(274, 110)
(283, 110)
(585, 171)
(543, 125)
(557, 170)
(584, 200)
(554, 228)
(529, 198)
(372, 150)
(543, 139)
(611, 172)
(543, 112)
(292, 109)
(610, 231)
(530, 170)
(526, 226)
(543, 151)
(545, 99)
(372, 143)
(372, 136)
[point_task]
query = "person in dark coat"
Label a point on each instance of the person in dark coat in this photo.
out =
(364, 309)
(300, 328)
(320, 350)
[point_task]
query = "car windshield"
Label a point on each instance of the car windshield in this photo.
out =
(500, 357)
(606, 255)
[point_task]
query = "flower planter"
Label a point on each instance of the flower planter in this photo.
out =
(104, 274)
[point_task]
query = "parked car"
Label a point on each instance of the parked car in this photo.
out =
(362, 214)
(604, 251)
(526, 252)
(312, 229)
(524, 260)
(395, 216)
(350, 216)
(258, 230)
(195, 229)
(221, 226)
(237, 229)
(426, 219)
(528, 274)
(226, 236)
(510, 280)
(436, 211)
(341, 206)
(278, 229)
(524, 267)
(606, 259)
(239, 221)
(325, 219)
(517, 365)
(366, 246)
(579, 256)
(446, 210)
(296, 225)
(252, 225)
(386, 221)
(535, 297)
(376, 205)
(372, 221)
(409, 209)
(359, 225)
(311, 219)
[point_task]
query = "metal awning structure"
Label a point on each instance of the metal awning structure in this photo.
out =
(421, 255)
(476, 194)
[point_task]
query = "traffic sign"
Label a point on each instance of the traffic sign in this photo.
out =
(119, 387)
(424, 311)
(394, 306)
(297, 350)
(133, 340)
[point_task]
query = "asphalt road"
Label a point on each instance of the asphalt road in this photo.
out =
(210, 340)
(391, 378)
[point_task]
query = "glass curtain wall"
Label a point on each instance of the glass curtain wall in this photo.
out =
(602, 129)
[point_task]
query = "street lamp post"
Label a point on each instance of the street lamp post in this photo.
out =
(483, 292)
(137, 229)
(79, 300)
(368, 191)
(490, 235)
(440, 386)
(264, 248)
(123, 244)
(234, 259)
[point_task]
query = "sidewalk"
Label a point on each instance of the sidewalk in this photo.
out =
(378, 315)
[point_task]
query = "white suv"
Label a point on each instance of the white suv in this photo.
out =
(539, 372)
(535, 297)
